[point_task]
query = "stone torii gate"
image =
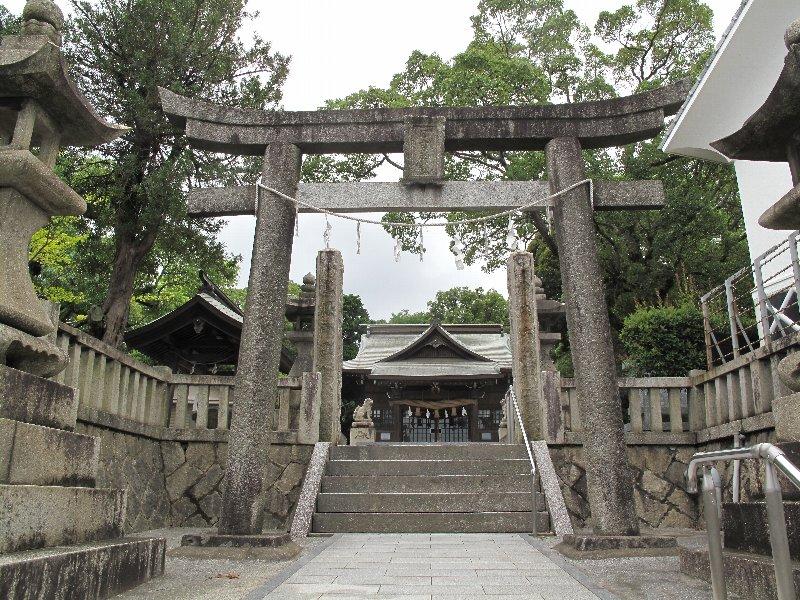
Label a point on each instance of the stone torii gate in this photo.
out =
(423, 135)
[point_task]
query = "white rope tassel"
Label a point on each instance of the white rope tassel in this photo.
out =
(421, 245)
(512, 241)
(358, 237)
(327, 235)
(296, 219)
(398, 248)
(458, 250)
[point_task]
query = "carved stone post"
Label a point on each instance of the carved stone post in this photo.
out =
(328, 342)
(608, 476)
(525, 342)
(260, 349)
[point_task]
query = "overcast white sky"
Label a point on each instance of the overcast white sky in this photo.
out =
(340, 46)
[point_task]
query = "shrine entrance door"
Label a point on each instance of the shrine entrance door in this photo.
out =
(430, 426)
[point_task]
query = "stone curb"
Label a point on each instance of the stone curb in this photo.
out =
(260, 592)
(575, 572)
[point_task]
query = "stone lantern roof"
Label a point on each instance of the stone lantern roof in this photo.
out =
(32, 67)
(772, 134)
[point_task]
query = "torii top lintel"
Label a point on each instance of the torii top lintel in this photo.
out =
(597, 124)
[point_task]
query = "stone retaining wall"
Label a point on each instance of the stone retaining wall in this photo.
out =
(660, 491)
(179, 482)
(659, 470)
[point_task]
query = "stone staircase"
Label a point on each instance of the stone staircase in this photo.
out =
(60, 536)
(430, 488)
(749, 570)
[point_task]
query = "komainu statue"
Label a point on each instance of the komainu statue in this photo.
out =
(363, 413)
(362, 431)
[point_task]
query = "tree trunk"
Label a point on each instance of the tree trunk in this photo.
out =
(128, 257)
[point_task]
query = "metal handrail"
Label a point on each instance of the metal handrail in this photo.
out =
(513, 397)
(774, 459)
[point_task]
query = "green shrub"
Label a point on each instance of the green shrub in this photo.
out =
(663, 341)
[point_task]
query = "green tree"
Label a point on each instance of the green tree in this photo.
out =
(122, 51)
(459, 305)
(406, 317)
(72, 258)
(9, 23)
(464, 305)
(354, 315)
(536, 51)
(664, 341)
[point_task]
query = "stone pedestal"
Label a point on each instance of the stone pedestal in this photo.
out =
(787, 409)
(586, 546)
(502, 434)
(48, 500)
(787, 417)
(267, 546)
(362, 434)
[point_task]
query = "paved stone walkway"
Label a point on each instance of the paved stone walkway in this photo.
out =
(430, 566)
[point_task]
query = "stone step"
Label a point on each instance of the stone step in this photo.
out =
(30, 399)
(33, 516)
(500, 466)
(37, 455)
(476, 522)
(747, 529)
(749, 576)
(469, 451)
(425, 503)
(410, 484)
(89, 572)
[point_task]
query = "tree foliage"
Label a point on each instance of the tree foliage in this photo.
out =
(9, 23)
(536, 52)
(136, 242)
(459, 305)
(354, 315)
(664, 341)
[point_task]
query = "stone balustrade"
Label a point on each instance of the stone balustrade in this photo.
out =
(704, 406)
(112, 382)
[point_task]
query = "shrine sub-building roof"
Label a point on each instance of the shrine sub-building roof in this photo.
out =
(196, 336)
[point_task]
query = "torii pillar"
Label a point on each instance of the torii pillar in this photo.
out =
(608, 476)
(242, 502)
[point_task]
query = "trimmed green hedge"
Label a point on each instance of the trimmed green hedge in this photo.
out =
(663, 341)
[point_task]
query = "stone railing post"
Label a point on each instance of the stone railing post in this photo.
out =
(526, 366)
(328, 342)
(308, 415)
(553, 414)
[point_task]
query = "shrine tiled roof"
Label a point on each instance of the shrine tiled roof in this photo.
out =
(435, 351)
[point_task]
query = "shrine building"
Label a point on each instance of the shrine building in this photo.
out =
(441, 383)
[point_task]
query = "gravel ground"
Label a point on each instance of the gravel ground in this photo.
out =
(656, 578)
(207, 579)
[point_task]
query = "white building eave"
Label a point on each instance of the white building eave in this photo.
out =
(736, 80)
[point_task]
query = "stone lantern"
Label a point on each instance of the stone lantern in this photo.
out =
(41, 110)
(300, 313)
(61, 534)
